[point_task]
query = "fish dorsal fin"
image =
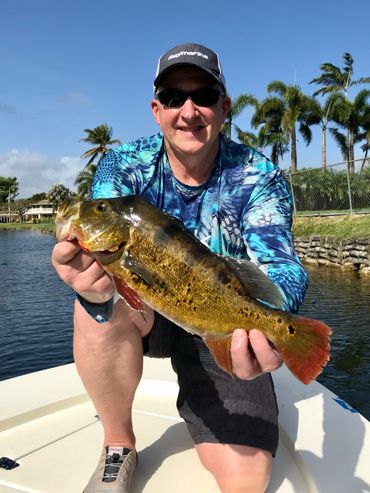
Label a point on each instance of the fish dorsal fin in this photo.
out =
(257, 283)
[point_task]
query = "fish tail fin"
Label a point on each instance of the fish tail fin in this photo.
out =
(306, 349)
(219, 346)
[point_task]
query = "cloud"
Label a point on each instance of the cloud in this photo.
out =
(36, 172)
(8, 109)
(74, 98)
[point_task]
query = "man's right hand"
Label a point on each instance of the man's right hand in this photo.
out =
(81, 272)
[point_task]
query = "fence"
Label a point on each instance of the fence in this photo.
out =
(342, 188)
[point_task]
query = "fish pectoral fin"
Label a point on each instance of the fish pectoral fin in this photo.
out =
(149, 277)
(129, 295)
(257, 283)
(219, 346)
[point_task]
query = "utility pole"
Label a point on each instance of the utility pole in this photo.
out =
(9, 205)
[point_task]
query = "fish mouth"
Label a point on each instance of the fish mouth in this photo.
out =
(106, 257)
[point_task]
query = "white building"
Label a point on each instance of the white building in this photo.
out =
(41, 210)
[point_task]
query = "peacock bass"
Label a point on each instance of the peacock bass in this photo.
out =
(152, 258)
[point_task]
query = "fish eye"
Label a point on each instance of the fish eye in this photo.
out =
(101, 207)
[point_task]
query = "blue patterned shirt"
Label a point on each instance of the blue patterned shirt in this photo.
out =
(244, 209)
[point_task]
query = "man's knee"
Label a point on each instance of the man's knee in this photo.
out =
(237, 468)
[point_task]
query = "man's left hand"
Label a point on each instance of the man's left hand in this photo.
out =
(252, 354)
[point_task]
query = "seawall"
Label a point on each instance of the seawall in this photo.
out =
(347, 254)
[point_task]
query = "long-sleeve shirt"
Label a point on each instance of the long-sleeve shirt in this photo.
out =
(243, 210)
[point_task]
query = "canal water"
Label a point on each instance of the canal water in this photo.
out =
(36, 317)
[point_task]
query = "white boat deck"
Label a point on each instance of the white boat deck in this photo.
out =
(49, 426)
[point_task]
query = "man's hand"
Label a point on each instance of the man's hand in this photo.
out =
(81, 272)
(252, 354)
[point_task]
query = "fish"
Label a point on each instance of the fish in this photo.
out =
(153, 259)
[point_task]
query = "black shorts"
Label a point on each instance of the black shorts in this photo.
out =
(217, 407)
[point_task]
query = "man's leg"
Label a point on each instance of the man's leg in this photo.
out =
(236, 468)
(109, 359)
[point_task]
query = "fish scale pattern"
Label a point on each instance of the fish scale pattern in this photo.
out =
(244, 209)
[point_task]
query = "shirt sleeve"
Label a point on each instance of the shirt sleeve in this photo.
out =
(113, 177)
(267, 221)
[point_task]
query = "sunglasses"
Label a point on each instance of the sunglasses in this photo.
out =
(174, 98)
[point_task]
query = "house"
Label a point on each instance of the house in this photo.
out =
(40, 210)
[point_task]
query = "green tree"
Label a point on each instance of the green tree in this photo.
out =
(84, 180)
(8, 188)
(268, 117)
(38, 196)
(354, 119)
(238, 105)
(336, 80)
(325, 113)
(57, 193)
(282, 112)
(100, 137)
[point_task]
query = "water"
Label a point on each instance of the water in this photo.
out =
(35, 306)
(36, 317)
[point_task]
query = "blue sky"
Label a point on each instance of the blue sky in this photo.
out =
(70, 65)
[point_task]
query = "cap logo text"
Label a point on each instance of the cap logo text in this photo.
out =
(188, 53)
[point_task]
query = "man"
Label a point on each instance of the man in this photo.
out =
(236, 202)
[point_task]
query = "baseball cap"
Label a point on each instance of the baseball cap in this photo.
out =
(190, 54)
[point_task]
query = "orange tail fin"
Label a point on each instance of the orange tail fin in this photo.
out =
(306, 351)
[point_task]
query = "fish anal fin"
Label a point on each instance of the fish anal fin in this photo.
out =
(219, 346)
(129, 295)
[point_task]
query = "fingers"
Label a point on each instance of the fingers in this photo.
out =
(252, 355)
(244, 364)
(81, 272)
(268, 358)
(64, 252)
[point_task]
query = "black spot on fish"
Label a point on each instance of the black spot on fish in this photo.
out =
(291, 330)
(170, 229)
(279, 320)
(223, 277)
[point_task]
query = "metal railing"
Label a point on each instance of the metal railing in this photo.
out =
(341, 188)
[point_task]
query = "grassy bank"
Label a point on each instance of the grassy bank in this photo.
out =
(42, 227)
(355, 226)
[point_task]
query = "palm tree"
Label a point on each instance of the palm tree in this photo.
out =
(84, 180)
(248, 138)
(57, 193)
(354, 118)
(100, 137)
(236, 108)
(365, 147)
(325, 114)
(335, 80)
(282, 112)
(269, 114)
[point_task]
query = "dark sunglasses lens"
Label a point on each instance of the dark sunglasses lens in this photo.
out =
(171, 98)
(201, 97)
(205, 97)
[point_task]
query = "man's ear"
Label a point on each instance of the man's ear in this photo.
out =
(226, 104)
(155, 109)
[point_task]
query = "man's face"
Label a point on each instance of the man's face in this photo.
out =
(190, 129)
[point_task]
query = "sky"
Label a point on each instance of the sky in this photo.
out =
(75, 64)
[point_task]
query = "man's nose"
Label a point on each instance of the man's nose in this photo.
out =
(189, 109)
